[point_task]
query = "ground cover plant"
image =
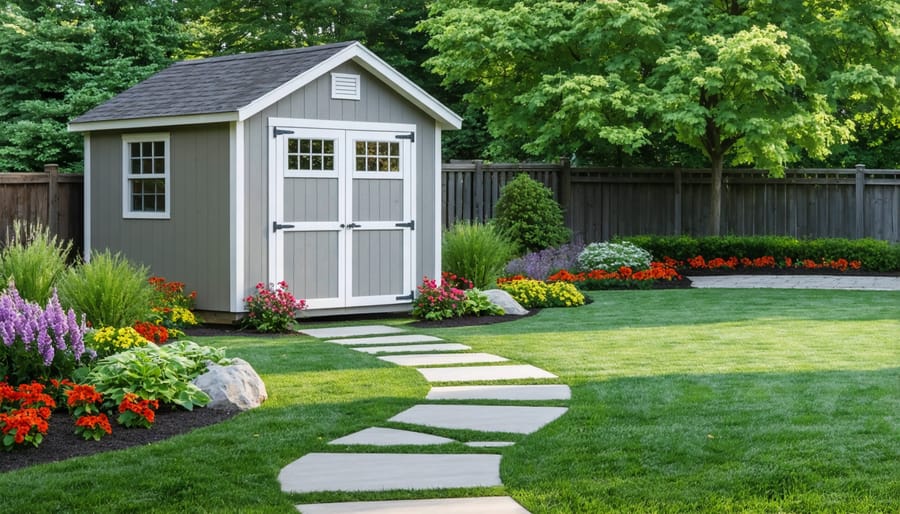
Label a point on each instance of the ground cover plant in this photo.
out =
(679, 405)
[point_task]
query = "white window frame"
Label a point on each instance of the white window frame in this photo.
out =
(127, 176)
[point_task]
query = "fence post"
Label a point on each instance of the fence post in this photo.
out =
(565, 188)
(52, 171)
(860, 201)
(478, 191)
(677, 200)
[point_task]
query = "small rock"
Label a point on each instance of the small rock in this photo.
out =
(505, 301)
(236, 385)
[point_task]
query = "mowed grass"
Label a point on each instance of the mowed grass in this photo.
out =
(683, 401)
(712, 401)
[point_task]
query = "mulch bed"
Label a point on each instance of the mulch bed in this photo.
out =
(61, 443)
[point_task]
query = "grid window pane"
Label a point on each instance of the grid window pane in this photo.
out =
(378, 156)
(310, 154)
(146, 175)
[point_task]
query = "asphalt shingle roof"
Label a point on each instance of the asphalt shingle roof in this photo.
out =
(213, 85)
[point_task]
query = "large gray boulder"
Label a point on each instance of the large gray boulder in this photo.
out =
(236, 385)
(506, 302)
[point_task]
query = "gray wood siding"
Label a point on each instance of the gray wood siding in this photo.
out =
(193, 245)
(310, 199)
(378, 103)
(311, 263)
(377, 200)
(377, 262)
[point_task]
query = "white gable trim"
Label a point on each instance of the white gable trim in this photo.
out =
(161, 121)
(373, 64)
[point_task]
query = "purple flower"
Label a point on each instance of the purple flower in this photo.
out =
(542, 264)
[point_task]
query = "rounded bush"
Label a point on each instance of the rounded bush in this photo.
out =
(528, 214)
(612, 256)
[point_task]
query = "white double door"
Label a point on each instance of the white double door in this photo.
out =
(342, 222)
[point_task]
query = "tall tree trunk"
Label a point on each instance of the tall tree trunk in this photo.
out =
(715, 207)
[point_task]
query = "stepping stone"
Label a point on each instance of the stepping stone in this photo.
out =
(479, 373)
(361, 330)
(378, 436)
(388, 471)
(410, 338)
(432, 359)
(489, 444)
(484, 418)
(413, 348)
(501, 392)
(482, 505)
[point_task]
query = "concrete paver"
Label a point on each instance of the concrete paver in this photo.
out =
(501, 392)
(489, 444)
(485, 418)
(378, 436)
(383, 340)
(482, 505)
(414, 348)
(483, 373)
(388, 471)
(359, 330)
(436, 359)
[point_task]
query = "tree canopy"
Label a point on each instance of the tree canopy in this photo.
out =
(59, 59)
(753, 82)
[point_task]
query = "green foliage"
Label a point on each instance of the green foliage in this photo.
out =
(478, 304)
(753, 83)
(109, 290)
(476, 251)
(875, 255)
(612, 256)
(34, 259)
(152, 372)
(528, 214)
(59, 59)
(536, 293)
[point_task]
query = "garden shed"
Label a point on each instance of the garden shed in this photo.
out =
(318, 166)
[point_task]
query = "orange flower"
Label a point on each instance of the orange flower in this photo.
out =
(81, 395)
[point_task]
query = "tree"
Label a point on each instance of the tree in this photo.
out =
(59, 59)
(753, 82)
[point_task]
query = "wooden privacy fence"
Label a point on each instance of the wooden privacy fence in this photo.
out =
(604, 202)
(52, 199)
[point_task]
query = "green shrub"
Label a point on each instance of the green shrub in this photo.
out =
(612, 256)
(152, 372)
(875, 255)
(34, 259)
(109, 290)
(476, 251)
(528, 214)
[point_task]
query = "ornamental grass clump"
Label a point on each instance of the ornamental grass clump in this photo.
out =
(38, 342)
(34, 259)
(613, 256)
(109, 290)
(476, 251)
(272, 308)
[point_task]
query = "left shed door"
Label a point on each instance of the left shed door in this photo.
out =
(310, 206)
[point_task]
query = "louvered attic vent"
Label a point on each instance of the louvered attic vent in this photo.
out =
(344, 86)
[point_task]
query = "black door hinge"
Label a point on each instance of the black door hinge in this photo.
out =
(410, 225)
(407, 297)
(280, 132)
(278, 226)
(411, 136)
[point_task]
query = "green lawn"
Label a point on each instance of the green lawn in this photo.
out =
(683, 401)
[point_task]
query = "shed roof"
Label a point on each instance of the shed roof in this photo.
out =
(235, 87)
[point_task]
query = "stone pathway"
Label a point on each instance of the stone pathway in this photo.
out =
(367, 471)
